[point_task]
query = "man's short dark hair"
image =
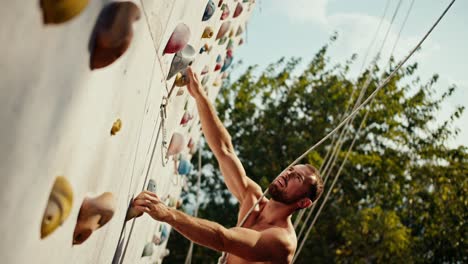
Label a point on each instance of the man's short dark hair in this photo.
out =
(316, 188)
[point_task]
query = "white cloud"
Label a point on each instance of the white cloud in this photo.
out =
(301, 11)
(355, 30)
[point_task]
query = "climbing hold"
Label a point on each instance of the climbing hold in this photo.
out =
(208, 32)
(58, 207)
(181, 79)
(227, 63)
(222, 40)
(181, 61)
(218, 63)
(239, 31)
(147, 250)
(160, 238)
(56, 12)
(156, 239)
(209, 10)
(205, 79)
(94, 213)
(186, 118)
(231, 33)
(225, 10)
(205, 70)
(179, 203)
(217, 82)
(238, 10)
(180, 92)
(178, 39)
(220, 3)
(176, 145)
(230, 45)
(241, 41)
(185, 167)
(112, 33)
(165, 253)
(116, 127)
(223, 29)
(224, 75)
(151, 187)
(206, 48)
(171, 201)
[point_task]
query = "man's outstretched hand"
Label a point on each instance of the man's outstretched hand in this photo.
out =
(194, 86)
(149, 202)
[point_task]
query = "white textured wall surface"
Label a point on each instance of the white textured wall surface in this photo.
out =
(56, 115)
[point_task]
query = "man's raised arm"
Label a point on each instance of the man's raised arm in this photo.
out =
(220, 143)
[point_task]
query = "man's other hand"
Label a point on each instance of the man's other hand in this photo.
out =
(149, 202)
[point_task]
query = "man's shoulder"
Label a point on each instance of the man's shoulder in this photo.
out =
(281, 234)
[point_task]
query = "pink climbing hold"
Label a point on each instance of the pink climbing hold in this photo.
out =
(225, 13)
(178, 39)
(176, 145)
(238, 10)
(186, 118)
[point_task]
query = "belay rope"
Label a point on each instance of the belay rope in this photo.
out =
(223, 258)
(188, 259)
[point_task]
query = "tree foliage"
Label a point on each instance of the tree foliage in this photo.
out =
(402, 194)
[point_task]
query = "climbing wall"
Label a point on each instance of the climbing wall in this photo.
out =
(90, 116)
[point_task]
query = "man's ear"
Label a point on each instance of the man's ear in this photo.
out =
(304, 203)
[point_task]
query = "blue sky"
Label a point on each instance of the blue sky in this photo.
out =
(299, 28)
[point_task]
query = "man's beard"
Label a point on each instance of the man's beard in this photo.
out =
(278, 195)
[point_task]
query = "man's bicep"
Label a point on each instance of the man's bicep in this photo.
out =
(254, 245)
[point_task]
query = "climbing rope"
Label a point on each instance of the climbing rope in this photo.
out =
(337, 145)
(371, 44)
(345, 130)
(402, 26)
(361, 126)
(188, 259)
(223, 258)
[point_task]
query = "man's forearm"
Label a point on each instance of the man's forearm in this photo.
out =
(200, 231)
(215, 133)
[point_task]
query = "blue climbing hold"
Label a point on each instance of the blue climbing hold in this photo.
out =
(185, 167)
(227, 63)
(209, 10)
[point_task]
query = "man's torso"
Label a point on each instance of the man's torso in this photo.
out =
(253, 223)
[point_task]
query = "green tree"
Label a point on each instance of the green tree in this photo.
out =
(402, 193)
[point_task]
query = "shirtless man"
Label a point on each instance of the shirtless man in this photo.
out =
(268, 235)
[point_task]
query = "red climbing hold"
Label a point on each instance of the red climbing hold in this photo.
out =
(178, 39)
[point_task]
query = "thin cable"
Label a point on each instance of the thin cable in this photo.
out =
(302, 211)
(390, 26)
(375, 36)
(339, 143)
(354, 112)
(365, 117)
(330, 189)
(402, 26)
(188, 259)
(327, 161)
